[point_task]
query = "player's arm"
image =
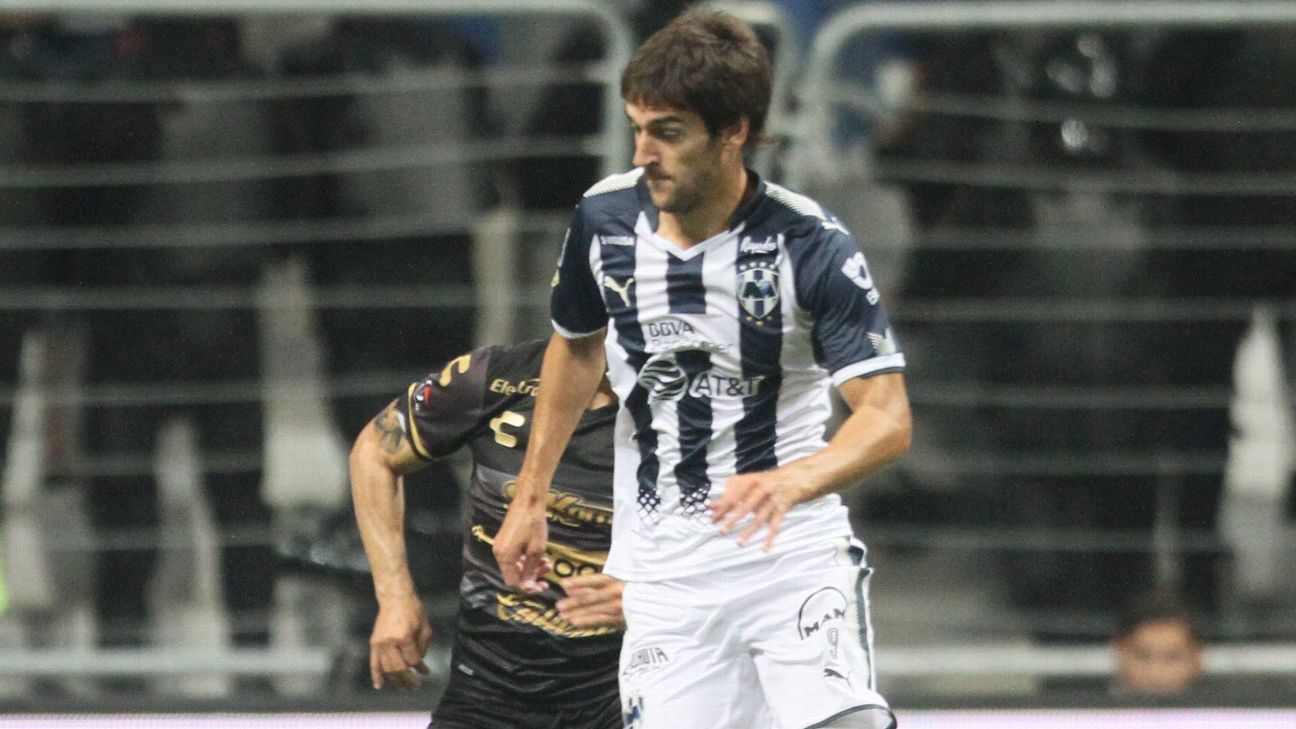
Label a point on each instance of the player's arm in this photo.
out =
(569, 375)
(380, 458)
(856, 345)
(877, 432)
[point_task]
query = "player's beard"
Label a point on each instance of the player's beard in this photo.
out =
(686, 196)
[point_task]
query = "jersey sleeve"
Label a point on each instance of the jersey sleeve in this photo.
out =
(576, 306)
(851, 334)
(445, 409)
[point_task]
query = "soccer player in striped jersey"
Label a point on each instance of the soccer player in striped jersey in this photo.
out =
(516, 662)
(725, 308)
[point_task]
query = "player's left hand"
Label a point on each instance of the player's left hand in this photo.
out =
(593, 601)
(765, 497)
(400, 638)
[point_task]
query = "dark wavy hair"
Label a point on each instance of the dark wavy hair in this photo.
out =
(706, 62)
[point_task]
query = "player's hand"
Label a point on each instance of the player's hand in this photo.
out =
(400, 638)
(593, 601)
(520, 544)
(762, 499)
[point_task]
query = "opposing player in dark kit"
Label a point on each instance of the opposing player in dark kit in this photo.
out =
(516, 662)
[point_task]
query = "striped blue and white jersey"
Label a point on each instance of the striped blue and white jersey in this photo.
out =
(722, 355)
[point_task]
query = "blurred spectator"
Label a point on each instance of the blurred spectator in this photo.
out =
(405, 111)
(1234, 256)
(18, 268)
(1158, 647)
(217, 344)
(1042, 241)
(143, 349)
(572, 110)
(65, 134)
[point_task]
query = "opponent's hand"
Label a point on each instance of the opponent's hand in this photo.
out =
(593, 601)
(764, 497)
(400, 638)
(520, 545)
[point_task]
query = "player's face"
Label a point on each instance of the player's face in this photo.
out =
(681, 159)
(1159, 658)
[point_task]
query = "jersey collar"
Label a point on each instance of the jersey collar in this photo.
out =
(738, 221)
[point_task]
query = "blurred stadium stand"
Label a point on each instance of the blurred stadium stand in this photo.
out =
(232, 230)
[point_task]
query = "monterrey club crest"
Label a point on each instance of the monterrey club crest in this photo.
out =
(758, 288)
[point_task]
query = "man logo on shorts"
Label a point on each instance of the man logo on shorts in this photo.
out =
(820, 610)
(823, 606)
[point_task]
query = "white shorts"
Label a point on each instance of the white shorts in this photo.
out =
(784, 643)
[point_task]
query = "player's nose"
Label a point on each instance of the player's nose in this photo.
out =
(645, 152)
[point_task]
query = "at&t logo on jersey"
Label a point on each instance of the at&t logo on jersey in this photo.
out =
(710, 384)
(758, 288)
(664, 379)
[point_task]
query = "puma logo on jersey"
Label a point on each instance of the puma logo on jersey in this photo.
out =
(622, 289)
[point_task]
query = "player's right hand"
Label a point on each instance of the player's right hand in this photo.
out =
(593, 601)
(520, 543)
(400, 638)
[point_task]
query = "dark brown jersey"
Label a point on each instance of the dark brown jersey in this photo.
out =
(509, 641)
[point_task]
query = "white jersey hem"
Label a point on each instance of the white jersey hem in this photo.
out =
(752, 551)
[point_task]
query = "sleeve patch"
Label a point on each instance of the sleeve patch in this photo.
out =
(458, 364)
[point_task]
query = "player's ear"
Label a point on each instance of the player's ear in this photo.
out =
(735, 136)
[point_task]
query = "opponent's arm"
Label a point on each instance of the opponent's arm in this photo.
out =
(380, 458)
(569, 375)
(877, 432)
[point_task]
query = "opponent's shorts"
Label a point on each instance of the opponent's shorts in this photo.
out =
(604, 714)
(471, 708)
(784, 642)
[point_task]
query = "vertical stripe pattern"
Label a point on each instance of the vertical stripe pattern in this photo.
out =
(620, 292)
(686, 294)
(760, 343)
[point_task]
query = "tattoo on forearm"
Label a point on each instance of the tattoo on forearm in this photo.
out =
(390, 433)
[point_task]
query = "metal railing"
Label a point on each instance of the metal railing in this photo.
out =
(614, 144)
(608, 147)
(820, 90)
(817, 94)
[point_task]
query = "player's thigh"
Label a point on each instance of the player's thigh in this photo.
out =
(814, 651)
(681, 667)
(701, 692)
